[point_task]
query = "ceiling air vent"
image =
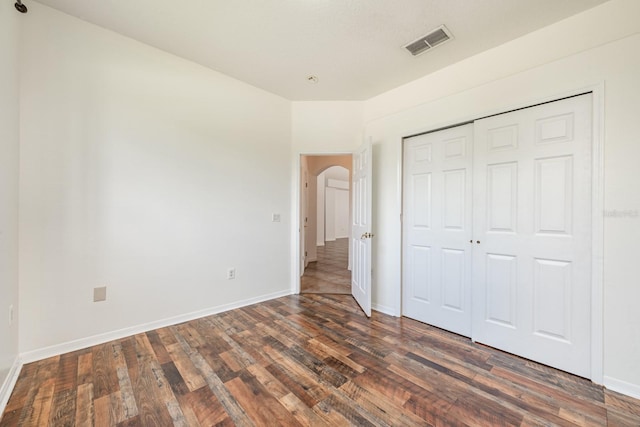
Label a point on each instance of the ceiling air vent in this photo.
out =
(431, 40)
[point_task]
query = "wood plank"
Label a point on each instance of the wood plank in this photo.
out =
(226, 399)
(84, 411)
(23, 386)
(305, 360)
(218, 364)
(560, 397)
(621, 403)
(38, 410)
(205, 407)
(380, 409)
(290, 371)
(348, 412)
(303, 414)
(37, 405)
(158, 347)
(259, 404)
(63, 407)
(175, 380)
(146, 380)
(105, 379)
(108, 410)
(85, 369)
(129, 405)
(183, 363)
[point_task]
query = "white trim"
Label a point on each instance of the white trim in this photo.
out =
(597, 235)
(296, 227)
(626, 388)
(399, 195)
(9, 383)
(385, 310)
(54, 350)
(597, 202)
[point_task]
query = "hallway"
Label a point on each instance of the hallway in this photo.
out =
(328, 275)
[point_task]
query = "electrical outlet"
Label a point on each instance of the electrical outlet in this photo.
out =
(231, 273)
(10, 314)
(100, 294)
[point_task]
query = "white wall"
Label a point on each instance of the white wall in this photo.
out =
(332, 204)
(545, 64)
(329, 214)
(9, 150)
(145, 173)
(326, 126)
(341, 213)
(320, 196)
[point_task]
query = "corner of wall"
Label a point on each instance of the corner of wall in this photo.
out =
(623, 387)
(9, 383)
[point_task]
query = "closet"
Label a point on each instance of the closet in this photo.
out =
(497, 231)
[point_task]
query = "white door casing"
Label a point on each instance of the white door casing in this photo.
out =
(532, 219)
(304, 215)
(361, 233)
(437, 226)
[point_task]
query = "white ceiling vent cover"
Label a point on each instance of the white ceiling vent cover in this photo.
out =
(434, 38)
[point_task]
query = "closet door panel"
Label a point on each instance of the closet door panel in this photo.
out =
(532, 217)
(437, 222)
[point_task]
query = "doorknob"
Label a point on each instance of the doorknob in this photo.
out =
(366, 235)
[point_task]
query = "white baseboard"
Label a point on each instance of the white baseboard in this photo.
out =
(629, 389)
(54, 350)
(312, 259)
(384, 309)
(9, 383)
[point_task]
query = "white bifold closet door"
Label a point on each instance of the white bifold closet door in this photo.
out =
(532, 216)
(437, 228)
(497, 232)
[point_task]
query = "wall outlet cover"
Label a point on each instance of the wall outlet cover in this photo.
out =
(100, 294)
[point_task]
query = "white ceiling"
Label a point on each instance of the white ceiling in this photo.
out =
(354, 47)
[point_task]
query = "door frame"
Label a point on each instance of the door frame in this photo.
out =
(597, 205)
(296, 224)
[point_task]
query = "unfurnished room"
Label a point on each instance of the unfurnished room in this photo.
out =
(319, 213)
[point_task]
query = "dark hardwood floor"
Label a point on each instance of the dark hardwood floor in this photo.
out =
(308, 360)
(329, 274)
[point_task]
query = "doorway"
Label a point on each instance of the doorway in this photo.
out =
(325, 210)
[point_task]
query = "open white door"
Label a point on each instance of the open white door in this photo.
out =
(361, 234)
